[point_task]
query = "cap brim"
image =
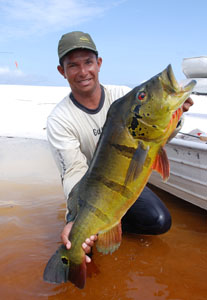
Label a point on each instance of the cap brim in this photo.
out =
(75, 48)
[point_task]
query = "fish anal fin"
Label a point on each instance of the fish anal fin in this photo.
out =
(161, 164)
(77, 273)
(110, 240)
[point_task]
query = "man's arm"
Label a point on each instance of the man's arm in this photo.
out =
(72, 165)
(65, 147)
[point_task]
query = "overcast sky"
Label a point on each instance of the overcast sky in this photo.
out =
(136, 39)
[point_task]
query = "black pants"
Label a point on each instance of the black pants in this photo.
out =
(148, 215)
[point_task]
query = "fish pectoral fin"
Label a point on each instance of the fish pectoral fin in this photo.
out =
(161, 164)
(110, 240)
(136, 164)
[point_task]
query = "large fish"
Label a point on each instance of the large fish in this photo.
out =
(131, 145)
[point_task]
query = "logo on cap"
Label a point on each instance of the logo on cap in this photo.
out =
(84, 39)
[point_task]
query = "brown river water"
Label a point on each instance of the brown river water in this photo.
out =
(32, 208)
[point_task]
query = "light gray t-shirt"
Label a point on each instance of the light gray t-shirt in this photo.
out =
(73, 132)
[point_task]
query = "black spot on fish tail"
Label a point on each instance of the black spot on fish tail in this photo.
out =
(124, 150)
(65, 260)
(115, 186)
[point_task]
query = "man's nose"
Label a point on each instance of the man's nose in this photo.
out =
(83, 70)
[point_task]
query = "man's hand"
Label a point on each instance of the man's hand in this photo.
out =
(89, 242)
(187, 104)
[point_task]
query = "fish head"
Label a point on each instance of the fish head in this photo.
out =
(153, 103)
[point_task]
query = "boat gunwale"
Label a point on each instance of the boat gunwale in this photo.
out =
(188, 144)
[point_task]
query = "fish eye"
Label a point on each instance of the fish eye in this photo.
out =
(141, 95)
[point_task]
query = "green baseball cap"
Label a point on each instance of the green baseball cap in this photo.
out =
(75, 40)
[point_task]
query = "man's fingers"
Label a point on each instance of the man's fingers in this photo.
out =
(65, 241)
(68, 245)
(94, 237)
(89, 242)
(187, 104)
(86, 248)
(65, 234)
(88, 260)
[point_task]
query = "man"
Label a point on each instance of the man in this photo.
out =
(74, 127)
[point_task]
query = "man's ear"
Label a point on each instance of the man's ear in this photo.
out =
(61, 70)
(99, 62)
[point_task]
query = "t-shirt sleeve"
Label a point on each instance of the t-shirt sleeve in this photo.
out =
(65, 148)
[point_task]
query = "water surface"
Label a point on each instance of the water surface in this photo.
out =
(32, 208)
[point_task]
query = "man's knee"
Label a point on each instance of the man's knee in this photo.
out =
(157, 225)
(148, 215)
(163, 223)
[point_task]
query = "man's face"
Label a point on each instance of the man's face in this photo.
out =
(81, 68)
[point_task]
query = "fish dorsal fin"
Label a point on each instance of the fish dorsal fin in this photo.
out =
(161, 164)
(136, 164)
(110, 240)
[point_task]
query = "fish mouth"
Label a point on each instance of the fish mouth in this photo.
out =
(177, 93)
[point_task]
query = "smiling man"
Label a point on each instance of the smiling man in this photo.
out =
(81, 67)
(74, 128)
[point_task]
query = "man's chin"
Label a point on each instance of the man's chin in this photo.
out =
(86, 90)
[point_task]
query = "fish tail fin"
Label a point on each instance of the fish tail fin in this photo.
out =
(77, 274)
(57, 268)
(60, 269)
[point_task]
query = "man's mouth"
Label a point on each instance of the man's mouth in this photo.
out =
(84, 81)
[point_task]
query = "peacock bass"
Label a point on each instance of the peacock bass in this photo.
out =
(131, 145)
